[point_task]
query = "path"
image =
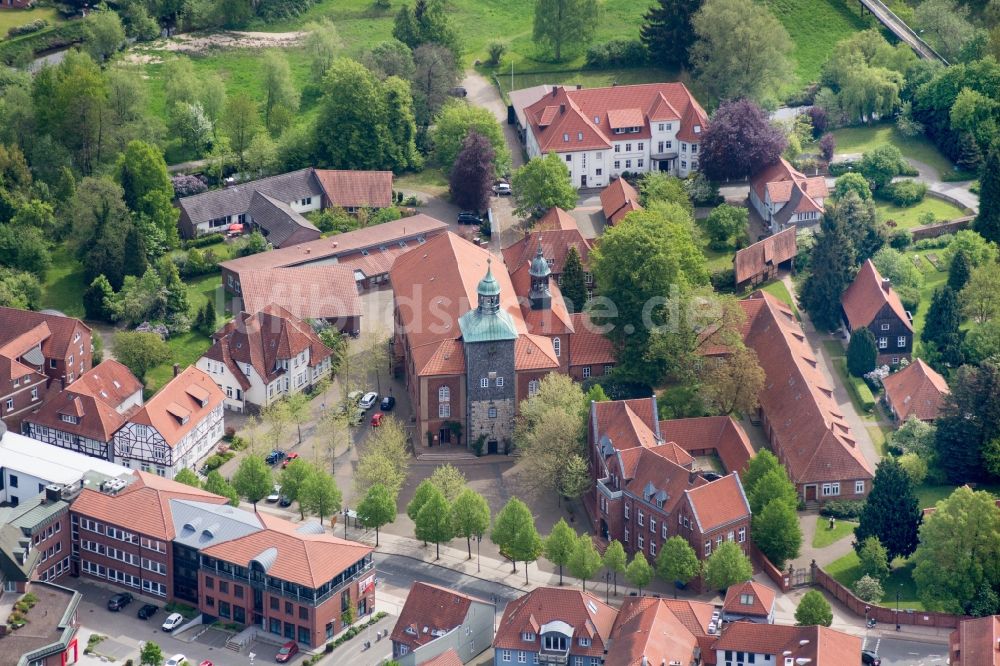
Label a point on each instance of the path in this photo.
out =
(823, 556)
(959, 191)
(899, 28)
(483, 93)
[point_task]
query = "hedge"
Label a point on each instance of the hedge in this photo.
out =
(616, 53)
(21, 50)
(840, 168)
(204, 241)
(905, 193)
(858, 388)
(843, 509)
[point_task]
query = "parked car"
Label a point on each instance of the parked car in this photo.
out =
(285, 501)
(458, 91)
(287, 651)
(288, 460)
(172, 622)
(275, 494)
(274, 457)
(353, 397)
(175, 660)
(147, 611)
(870, 658)
(206, 663)
(368, 401)
(502, 190)
(119, 601)
(377, 419)
(357, 417)
(468, 217)
(388, 402)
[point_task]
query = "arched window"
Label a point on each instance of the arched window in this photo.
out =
(444, 394)
(557, 345)
(533, 387)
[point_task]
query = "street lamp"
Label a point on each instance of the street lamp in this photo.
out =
(345, 521)
(479, 540)
(607, 587)
(897, 606)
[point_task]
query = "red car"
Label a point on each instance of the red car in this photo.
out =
(289, 459)
(287, 651)
(205, 663)
(376, 419)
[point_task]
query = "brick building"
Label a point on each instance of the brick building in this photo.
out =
(435, 620)
(917, 390)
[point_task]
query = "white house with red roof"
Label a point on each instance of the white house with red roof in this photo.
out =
(785, 197)
(435, 620)
(604, 132)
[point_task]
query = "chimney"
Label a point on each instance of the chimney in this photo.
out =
(579, 86)
(177, 369)
(562, 108)
(886, 283)
(554, 88)
(308, 250)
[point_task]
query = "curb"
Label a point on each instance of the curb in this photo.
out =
(441, 566)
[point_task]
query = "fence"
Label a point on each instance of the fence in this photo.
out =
(883, 614)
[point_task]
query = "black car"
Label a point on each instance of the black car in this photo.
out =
(147, 611)
(468, 217)
(388, 402)
(458, 91)
(870, 658)
(284, 500)
(119, 601)
(274, 457)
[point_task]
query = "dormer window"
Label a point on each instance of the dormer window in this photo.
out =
(69, 418)
(584, 642)
(565, 137)
(697, 129)
(528, 636)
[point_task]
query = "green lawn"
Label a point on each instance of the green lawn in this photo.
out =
(11, 18)
(932, 280)
(185, 349)
(834, 348)
(432, 181)
(778, 289)
(847, 570)
(64, 284)
(586, 78)
(824, 536)
(879, 434)
(863, 139)
(906, 218)
(929, 495)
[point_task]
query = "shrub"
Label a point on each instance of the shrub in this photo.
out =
(827, 145)
(214, 462)
(819, 120)
(859, 389)
(28, 28)
(933, 243)
(204, 241)
(185, 186)
(905, 193)
(910, 296)
(900, 239)
(840, 168)
(869, 589)
(843, 509)
(616, 53)
(915, 467)
(496, 51)
(723, 280)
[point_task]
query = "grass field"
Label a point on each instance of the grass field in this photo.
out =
(932, 280)
(847, 570)
(879, 435)
(919, 148)
(64, 284)
(929, 495)
(12, 18)
(778, 289)
(906, 218)
(824, 536)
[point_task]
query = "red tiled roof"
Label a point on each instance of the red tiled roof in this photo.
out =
(325, 291)
(976, 642)
(619, 199)
(430, 609)
(718, 503)
(760, 596)
(773, 250)
(356, 189)
(780, 178)
(822, 646)
(14, 323)
(442, 358)
(867, 295)
(627, 423)
(916, 390)
(810, 435)
(586, 345)
(109, 381)
(556, 219)
(181, 405)
(584, 612)
(555, 247)
(447, 658)
(721, 433)
(648, 631)
(619, 118)
(534, 352)
(144, 505)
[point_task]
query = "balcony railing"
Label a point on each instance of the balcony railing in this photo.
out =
(605, 489)
(289, 594)
(553, 656)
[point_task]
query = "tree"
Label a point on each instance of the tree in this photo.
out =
(559, 544)
(978, 250)
(942, 327)
(740, 140)
(320, 495)
(240, 123)
(861, 352)
(420, 496)
(859, 221)
(614, 560)
(832, 262)
(377, 509)
(281, 99)
(852, 182)
(575, 479)
(777, 533)
(915, 436)
(100, 222)
(869, 590)
(472, 174)
(140, 351)
(214, 483)
(969, 421)
(660, 187)
(677, 562)
(19, 290)
(141, 171)
(449, 480)
(428, 22)
(433, 523)
(385, 459)
(880, 165)
(761, 464)
(456, 121)
(188, 478)
(151, 654)
(726, 566)
(26, 248)
(733, 384)
(550, 431)
(638, 572)
(979, 297)
(292, 480)
(541, 184)
(190, 123)
(252, 479)
(741, 50)
(987, 222)
(564, 25)
(944, 25)
(434, 75)
(915, 467)
(813, 609)
(322, 44)
(207, 318)
(261, 155)
(891, 511)
(572, 282)
(390, 58)
(105, 34)
(959, 271)
(97, 299)
(514, 532)
(584, 560)
(959, 550)
(985, 603)
(667, 32)
(873, 558)
(727, 224)
(470, 516)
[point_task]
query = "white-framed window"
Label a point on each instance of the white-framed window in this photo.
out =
(584, 641)
(557, 346)
(533, 386)
(901, 341)
(641, 518)
(640, 541)
(10, 404)
(492, 412)
(684, 164)
(626, 535)
(505, 655)
(628, 147)
(626, 511)
(730, 536)
(883, 342)
(484, 382)
(565, 136)
(522, 657)
(652, 548)
(831, 489)
(579, 136)
(708, 547)
(663, 531)
(895, 360)
(885, 327)
(444, 394)
(528, 636)
(444, 410)
(618, 164)
(640, 163)
(586, 372)
(499, 381)
(652, 525)
(628, 164)
(741, 535)
(859, 487)
(642, 146)
(618, 148)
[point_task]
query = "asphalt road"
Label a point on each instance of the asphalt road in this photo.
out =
(901, 652)
(397, 573)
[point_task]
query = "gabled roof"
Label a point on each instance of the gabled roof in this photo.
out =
(429, 611)
(722, 434)
(109, 381)
(761, 599)
(447, 658)
(647, 631)
(976, 642)
(619, 199)
(143, 506)
(718, 503)
(356, 189)
(626, 423)
(323, 291)
(810, 434)
(285, 187)
(586, 345)
(14, 323)
(555, 246)
(781, 181)
(587, 616)
(822, 646)
(916, 390)
(556, 219)
(868, 295)
(181, 405)
(279, 222)
(773, 250)
(96, 419)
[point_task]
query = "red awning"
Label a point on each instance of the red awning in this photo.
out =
(236, 227)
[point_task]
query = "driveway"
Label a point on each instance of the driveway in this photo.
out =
(483, 93)
(959, 191)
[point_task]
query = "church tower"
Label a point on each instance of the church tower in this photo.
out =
(540, 296)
